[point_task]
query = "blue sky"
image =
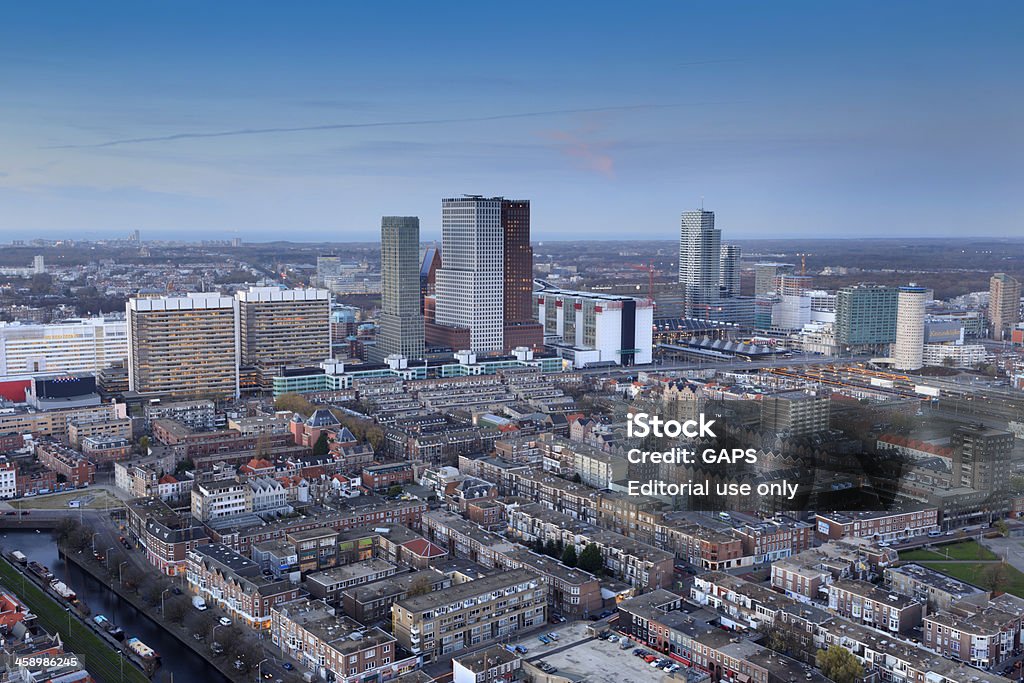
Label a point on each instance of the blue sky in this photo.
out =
(798, 119)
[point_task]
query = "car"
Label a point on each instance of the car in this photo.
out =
(883, 544)
(224, 621)
(522, 649)
(544, 639)
(638, 651)
(613, 639)
(553, 636)
(268, 675)
(649, 658)
(176, 590)
(287, 666)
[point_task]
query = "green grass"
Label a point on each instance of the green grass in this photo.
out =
(59, 501)
(964, 550)
(977, 574)
(98, 656)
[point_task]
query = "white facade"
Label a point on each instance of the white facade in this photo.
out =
(8, 481)
(470, 284)
(962, 355)
(268, 495)
(78, 345)
(908, 350)
(590, 328)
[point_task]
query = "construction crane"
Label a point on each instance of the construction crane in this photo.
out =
(650, 277)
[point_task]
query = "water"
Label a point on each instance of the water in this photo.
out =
(177, 659)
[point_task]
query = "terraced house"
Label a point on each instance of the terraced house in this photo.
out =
(235, 583)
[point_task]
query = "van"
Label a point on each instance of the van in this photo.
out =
(934, 533)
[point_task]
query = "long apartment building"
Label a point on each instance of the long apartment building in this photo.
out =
(470, 614)
(283, 326)
(76, 345)
(183, 346)
(193, 346)
(58, 423)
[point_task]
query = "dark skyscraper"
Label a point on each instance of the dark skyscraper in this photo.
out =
(520, 326)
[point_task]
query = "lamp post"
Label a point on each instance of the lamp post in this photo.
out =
(259, 670)
(106, 557)
(120, 574)
(94, 541)
(162, 602)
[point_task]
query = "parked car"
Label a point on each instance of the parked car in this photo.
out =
(224, 621)
(287, 666)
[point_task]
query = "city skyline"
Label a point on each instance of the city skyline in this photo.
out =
(605, 132)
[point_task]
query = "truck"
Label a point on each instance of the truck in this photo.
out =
(19, 557)
(198, 603)
(926, 390)
(879, 382)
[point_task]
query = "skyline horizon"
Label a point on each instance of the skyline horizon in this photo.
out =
(803, 120)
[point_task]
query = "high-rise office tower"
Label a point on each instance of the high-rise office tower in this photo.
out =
(483, 289)
(700, 252)
(1003, 305)
(981, 457)
(401, 320)
(520, 326)
(866, 315)
(470, 284)
(908, 349)
(766, 276)
(280, 327)
(729, 269)
(793, 310)
(183, 346)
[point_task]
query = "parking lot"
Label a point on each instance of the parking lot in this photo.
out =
(578, 656)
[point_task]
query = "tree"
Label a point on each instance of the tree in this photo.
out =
(176, 608)
(322, 444)
(1002, 527)
(590, 559)
(395, 491)
(184, 466)
(996, 577)
(144, 445)
(294, 403)
(569, 558)
(420, 586)
(551, 548)
(839, 664)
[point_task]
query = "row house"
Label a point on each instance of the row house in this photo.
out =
(770, 541)
(381, 477)
(702, 547)
(166, 536)
(886, 658)
(69, 465)
(356, 513)
(984, 635)
(885, 525)
(572, 593)
(939, 591)
(236, 584)
(324, 643)
(874, 606)
(638, 564)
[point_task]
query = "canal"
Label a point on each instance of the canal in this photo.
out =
(179, 663)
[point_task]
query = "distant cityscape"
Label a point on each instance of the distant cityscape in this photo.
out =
(409, 461)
